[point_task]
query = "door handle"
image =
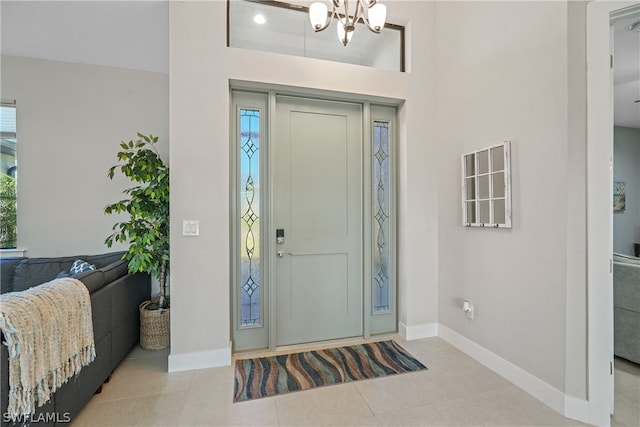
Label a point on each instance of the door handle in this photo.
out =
(281, 254)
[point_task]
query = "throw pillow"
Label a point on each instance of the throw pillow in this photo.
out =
(63, 274)
(80, 266)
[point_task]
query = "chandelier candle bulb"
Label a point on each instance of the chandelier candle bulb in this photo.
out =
(377, 16)
(318, 15)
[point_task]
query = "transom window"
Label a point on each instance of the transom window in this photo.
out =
(285, 28)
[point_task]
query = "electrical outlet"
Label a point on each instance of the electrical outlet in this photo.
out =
(467, 307)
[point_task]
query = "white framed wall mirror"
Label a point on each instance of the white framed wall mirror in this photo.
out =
(486, 187)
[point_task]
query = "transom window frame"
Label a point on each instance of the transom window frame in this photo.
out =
(360, 26)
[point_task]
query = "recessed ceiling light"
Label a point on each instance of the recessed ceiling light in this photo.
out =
(259, 19)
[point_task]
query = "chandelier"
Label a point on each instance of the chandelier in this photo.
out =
(372, 13)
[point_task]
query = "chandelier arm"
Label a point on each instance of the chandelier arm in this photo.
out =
(359, 13)
(366, 22)
(365, 18)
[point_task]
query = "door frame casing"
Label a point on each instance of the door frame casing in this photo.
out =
(600, 15)
(270, 92)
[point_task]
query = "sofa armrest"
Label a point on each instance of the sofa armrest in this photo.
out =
(626, 286)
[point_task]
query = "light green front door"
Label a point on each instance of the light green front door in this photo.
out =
(317, 203)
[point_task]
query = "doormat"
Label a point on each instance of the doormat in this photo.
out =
(269, 376)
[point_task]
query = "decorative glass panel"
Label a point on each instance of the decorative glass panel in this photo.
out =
(250, 218)
(381, 212)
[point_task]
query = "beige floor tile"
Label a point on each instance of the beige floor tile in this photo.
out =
(449, 413)
(616, 423)
(200, 410)
(627, 394)
(426, 345)
(627, 410)
(142, 376)
(455, 390)
(500, 407)
(214, 383)
(360, 422)
(468, 379)
(628, 384)
(509, 405)
(402, 391)
(152, 410)
(322, 406)
(446, 360)
(138, 352)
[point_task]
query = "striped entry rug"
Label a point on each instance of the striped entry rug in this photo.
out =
(269, 376)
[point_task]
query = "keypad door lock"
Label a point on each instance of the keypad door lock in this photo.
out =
(280, 236)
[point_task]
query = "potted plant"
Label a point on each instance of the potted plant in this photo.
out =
(146, 229)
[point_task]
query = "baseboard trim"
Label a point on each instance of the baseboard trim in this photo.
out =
(415, 332)
(200, 359)
(568, 406)
(576, 408)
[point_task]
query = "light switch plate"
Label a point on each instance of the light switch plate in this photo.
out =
(190, 227)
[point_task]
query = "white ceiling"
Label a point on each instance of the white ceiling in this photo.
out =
(135, 35)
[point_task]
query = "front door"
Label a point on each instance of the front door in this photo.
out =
(317, 207)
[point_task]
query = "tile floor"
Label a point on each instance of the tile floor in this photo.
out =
(626, 412)
(455, 391)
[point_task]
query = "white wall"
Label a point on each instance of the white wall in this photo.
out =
(503, 74)
(70, 121)
(201, 66)
(626, 167)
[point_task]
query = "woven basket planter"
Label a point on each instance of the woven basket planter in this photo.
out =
(154, 328)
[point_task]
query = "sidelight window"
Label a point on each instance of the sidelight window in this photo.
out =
(381, 215)
(250, 283)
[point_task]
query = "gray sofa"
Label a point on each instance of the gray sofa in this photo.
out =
(115, 297)
(626, 307)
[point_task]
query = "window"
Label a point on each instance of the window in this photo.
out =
(381, 154)
(8, 176)
(381, 187)
(486, 187)
(250, 217)
(285, 28)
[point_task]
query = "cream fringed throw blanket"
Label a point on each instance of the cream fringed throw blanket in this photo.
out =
(49, 334)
